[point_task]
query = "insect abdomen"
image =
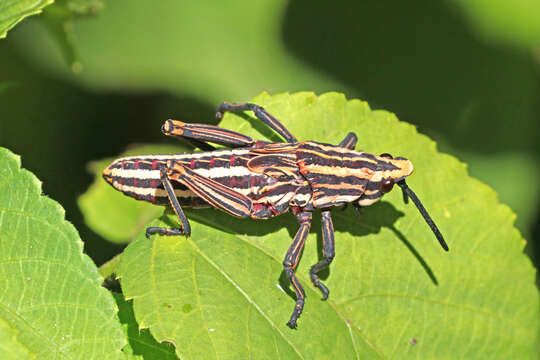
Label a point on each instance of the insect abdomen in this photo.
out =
(139, 177)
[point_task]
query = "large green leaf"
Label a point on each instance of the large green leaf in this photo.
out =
(394, 292)
(51, 297)
(13, 11)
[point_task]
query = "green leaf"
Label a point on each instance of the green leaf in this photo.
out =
(10, 348)
(520, 191)
(51, 295)
(109, 268)
(112, 215)
(141, 343)
(13, 11)
(394, 292)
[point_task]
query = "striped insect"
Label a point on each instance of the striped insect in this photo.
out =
(261, 180)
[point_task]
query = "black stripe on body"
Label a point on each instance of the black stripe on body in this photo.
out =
(336, 151)
(325, 179)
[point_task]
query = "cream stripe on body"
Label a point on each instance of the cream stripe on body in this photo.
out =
(215, 172)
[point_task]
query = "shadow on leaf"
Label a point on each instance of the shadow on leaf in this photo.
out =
(372, 219)
(140, 341)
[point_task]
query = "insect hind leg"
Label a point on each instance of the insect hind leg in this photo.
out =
(186, 228)
(200, 134)
(261, 114)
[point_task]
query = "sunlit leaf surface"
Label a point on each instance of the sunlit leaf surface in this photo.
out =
(13, 11)
(394, 292)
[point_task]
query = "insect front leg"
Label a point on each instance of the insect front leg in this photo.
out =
(328, 252)
(291, 260)
(199, 134)
(261, 114)
(186, 228)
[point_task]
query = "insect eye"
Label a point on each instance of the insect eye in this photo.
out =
(387, 185)
(386, 155)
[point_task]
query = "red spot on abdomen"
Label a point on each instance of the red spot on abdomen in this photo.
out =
(192, 164)
(211, 161)
(231, 161)
(154, 164)
(135, 181)
(136, 166)
(155, 183)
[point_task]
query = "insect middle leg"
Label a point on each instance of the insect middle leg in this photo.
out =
(328, 252)
(261, 114)
(291, 260)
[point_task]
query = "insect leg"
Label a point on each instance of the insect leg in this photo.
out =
(290, 262)
(350, 141)
(203, 132)
(328, 252)
(186, 228)
(216, 194)
(261, 114)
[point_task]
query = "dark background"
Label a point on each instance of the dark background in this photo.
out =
(464, 73)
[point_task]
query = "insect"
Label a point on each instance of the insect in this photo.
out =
(261, 180)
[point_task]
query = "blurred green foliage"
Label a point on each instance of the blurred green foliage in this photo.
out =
(513, 23)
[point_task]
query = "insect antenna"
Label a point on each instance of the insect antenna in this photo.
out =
(408, 193)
